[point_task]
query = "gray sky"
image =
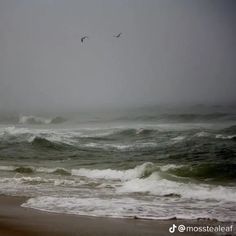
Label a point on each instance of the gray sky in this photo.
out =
(179, 51)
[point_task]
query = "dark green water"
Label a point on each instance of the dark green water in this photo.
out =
(130, 166)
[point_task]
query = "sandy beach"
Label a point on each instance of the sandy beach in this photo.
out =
(16, 220)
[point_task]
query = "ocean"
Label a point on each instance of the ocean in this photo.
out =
(178, 165)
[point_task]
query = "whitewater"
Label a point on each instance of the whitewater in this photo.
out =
(182, 168)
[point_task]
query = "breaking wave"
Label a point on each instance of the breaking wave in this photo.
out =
(156, 185)
(40, 142)
(127, 207)
(32, 169)
(214, 172)
(149, 170)
(206, 171)
(33, 120)
(138, 172)
(147, 191)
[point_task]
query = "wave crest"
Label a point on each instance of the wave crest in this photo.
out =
(138, 172)
(36, 120)
(216, 171)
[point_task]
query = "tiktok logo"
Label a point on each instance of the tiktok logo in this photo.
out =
(172, 229)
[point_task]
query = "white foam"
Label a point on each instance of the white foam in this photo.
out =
(131, 146)
(12, 130)
(52, 170)
(62, 137)
(202, 134)
(158, 186)
(34, 120)
(221, 136)
(178, 138)
(169, 167)
(19, 179)
(121, 193)
(89, 206)
(92, 145)
(123, 175)
(125, 207)
(36, 169)
(7, 168)
(65, 182)
(29, 135)
(121, 147)
(97, 135)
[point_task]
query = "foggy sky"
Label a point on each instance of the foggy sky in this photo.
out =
(179, 51)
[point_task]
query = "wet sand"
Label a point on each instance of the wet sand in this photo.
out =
(19, 221)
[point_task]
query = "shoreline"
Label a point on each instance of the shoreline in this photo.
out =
(18, 221)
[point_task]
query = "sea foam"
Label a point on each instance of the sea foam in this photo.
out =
(137, 172)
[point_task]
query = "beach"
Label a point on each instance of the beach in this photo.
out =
(16, 220)
(135, 177)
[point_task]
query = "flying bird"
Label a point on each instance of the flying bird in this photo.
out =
(118, 35)
(83, 38)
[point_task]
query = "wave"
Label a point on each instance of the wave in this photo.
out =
(145, 178)
(221, 136)
(121, 147)
(138, 172)
(113, 139)
(33, 169)
(33, 120)
(144, 134)
(37, 137)
(19, 180)
(131, 133)
(216, 171)
(116, 208)
(132, 147)
(139, 131)
(146, 191)
(122, 206)
(40, 142)
(13, 131)
(57, 170)
(211, 171)
(179, 138)
(23, 169)
(191, 117)
(230, 130)
(156, 185)
(48, 138)
(202, 134)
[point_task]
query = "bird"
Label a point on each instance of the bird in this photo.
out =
(117, 35)
(83, 38)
